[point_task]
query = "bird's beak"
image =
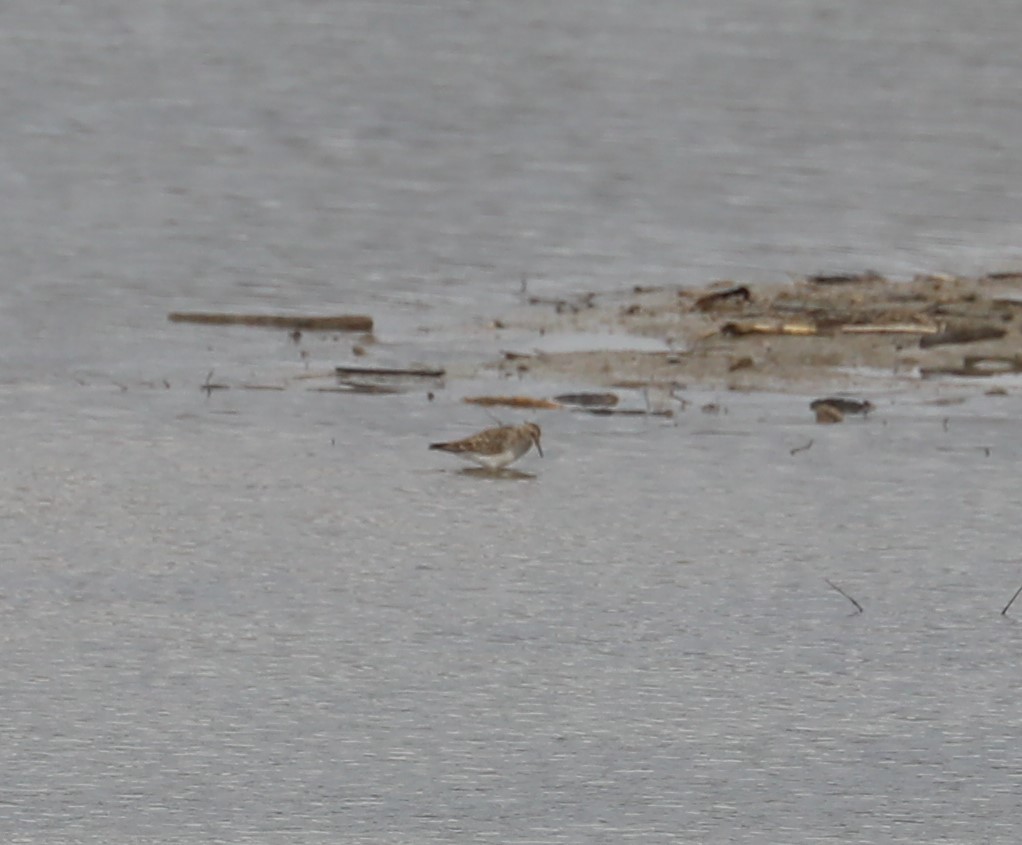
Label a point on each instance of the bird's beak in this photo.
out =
(538, 447)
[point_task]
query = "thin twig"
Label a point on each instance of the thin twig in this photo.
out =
(209, 385)
(339, 323)
(798, 449)
(853, 601)
(1009, 604)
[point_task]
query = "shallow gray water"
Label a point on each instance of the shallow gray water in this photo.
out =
(261, 616)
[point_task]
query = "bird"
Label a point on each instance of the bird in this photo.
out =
(495, 448)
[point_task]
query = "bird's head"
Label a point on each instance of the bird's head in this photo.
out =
(534, 434)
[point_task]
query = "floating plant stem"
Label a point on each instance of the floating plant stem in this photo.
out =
(858, 606)
(1010, 603)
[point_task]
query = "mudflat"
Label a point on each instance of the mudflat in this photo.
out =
(839, 331)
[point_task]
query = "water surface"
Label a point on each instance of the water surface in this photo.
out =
(274, 616)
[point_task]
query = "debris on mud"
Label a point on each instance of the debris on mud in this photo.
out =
(828, 330)
(827, 414)
(708, 301)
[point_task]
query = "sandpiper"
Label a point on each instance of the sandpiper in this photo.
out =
(495, 448)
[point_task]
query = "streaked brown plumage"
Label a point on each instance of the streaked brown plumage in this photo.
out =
(495, 448)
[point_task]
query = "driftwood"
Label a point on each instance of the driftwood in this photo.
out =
(737, 329)
(340, 323)
(389, 372)
(511, 402)
(629, 412)
(888, 328)
(588, 400)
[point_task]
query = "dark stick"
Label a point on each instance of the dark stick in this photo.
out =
(798, 449)
(1009, 604)
(208, 386)
(340, 323)
(853, 601)
(383, 372)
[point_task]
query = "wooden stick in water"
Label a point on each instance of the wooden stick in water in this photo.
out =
(853, 601)
(340, 323)
(1009, 604)
(391, 372)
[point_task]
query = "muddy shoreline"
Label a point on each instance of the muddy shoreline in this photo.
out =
(842, 332)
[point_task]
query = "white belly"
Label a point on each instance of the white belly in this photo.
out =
(498, 460)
